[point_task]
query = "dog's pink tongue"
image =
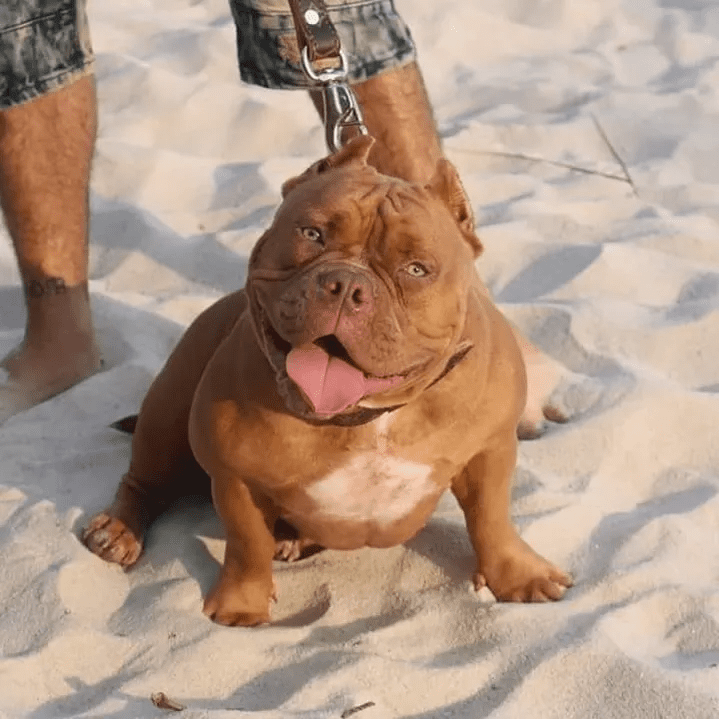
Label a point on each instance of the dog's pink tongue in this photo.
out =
(331, 384)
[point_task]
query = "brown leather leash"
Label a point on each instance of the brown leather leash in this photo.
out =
(325, 64)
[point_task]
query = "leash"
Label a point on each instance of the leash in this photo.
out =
(318, 42)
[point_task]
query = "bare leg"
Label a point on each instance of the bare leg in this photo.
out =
(398, 114)
(46, 147)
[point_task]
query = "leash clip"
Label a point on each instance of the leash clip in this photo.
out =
(341, 109)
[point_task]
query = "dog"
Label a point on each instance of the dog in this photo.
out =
(362, 372)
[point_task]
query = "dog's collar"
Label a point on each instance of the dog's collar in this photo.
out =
(363, 415)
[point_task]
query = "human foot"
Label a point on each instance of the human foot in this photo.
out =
(58, 351)
(554, 393)
(31, 378)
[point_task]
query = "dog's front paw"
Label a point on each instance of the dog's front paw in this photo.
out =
(519, 574)
(111, 539)
(240, 603)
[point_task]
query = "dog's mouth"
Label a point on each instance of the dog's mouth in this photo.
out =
(329, 380)
(334, 348)
(325, 374)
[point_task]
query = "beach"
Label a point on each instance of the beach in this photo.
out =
(585, 134)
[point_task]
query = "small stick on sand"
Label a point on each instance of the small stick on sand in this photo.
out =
(542, 160)
(354, 710)
(615, 154)
(162, 701)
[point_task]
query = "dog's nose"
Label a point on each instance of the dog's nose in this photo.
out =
(344, 285)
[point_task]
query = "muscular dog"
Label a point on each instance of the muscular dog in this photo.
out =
(361, 373)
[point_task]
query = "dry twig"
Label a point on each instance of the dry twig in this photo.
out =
(354, 710)
(541, 160)
(162, 701)
(615, 154)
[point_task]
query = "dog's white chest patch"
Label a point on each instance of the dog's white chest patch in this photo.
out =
(374, 486)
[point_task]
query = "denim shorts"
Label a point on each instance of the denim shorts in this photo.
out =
(373, 36)
(44, 45)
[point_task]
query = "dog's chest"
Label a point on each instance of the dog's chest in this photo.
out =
(374, 486)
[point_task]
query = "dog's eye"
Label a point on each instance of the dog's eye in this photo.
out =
(312, 234)
(416, 269)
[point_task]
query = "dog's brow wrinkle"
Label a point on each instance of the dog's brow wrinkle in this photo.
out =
(367, 218)
(370, 192)
(399, 197)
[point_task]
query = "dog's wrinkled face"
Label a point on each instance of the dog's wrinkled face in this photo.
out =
(358, 290)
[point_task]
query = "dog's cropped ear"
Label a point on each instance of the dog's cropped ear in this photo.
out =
(355, 151)
(446, 185)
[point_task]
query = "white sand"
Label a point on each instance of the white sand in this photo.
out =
(619, 283)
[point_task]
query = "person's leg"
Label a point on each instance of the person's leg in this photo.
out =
(45, 151)
(47, 133)
(398, 114)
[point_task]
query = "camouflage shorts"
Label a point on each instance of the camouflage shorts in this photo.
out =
(44, 45)
(373, 36)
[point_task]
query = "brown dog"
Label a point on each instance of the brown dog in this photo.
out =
(361, 373)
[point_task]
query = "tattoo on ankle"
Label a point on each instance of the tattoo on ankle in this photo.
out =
(42, 288)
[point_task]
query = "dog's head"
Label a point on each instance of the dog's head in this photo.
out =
(358, 290)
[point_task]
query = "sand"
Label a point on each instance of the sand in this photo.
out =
(613, 269)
